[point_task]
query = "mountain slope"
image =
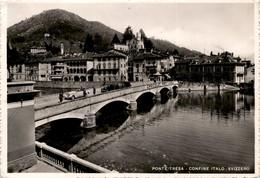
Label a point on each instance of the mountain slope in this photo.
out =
(69, 28)
(60, 24)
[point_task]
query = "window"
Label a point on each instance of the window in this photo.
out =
(114, 65)
(104, 65)
(98, 66)
(109, 65)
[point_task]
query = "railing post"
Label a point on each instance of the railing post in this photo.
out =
(70, 161)
(41, 148)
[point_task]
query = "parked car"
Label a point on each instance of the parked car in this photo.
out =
(73, 94)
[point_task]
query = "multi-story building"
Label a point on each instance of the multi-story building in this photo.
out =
(78, 69)
(147, 66)
(250, 74)
(121, 47)
(37, 50)
(58, 68)
(17, 72)
(110, 66)
(214, 68)
(38, 71)
(135, 44)
(70, 68)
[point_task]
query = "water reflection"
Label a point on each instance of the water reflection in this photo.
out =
(188, 129)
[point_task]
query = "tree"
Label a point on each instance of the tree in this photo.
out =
(115, 39)
(100, 43)
(143, 36)
(147, 42)
(89, 44)
(175, 52)
(128, 34)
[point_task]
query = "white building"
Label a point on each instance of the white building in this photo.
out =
(110, 66)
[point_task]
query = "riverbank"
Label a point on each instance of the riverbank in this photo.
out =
(191, 86)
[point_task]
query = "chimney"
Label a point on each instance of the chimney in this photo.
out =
(218, 54)
(232, 54)
(211, 53)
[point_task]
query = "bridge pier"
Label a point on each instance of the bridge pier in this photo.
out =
(89, 121)
(158, 96)
(132, 106)
(170, 93)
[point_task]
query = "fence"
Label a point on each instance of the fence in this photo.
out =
(66, 162)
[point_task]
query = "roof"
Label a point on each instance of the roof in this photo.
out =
(111, 53)
(147, 56)
(210, 60)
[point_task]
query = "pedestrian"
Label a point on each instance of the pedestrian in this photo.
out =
(94, 90)
(61, 96)
(84, 92)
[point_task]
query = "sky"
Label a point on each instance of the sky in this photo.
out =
(204, 27)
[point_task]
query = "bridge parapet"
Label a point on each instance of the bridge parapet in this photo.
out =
(65, 107)
(66, 162)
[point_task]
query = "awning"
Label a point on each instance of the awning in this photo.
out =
(157, 74)
(168, 76)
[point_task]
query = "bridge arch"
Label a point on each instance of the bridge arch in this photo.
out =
(59, 117)
(143, 93)
(103, 104)
(164, 90)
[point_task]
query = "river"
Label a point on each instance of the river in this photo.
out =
(192, 132)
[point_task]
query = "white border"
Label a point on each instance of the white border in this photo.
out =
(3, 103)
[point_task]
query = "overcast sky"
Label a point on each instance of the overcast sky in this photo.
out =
(198, 26)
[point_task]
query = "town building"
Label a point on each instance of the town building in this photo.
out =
(215, 68)
(17, 72)
(120, 47)
(79, 68)
(38, 70)
(146, 66)
(135, 44)
(20, 126)
(250, 74)
(110, 66)
(72, 68)
(38, 50)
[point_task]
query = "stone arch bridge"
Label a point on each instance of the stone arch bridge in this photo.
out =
(85, 108)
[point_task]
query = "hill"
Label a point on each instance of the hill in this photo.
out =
(62, 26)
(69, 28)
(164, 45)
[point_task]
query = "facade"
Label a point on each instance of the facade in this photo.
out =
(146, 66)
(215, 68)
(58, 69)
(110, 66)
(135, 44)
(121, 47)
(38, 71)
(250, 74)
(78, 70)
(37, 50)
(17, 72)
(75, 68)
(20, 126)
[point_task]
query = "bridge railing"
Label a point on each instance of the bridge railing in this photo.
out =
(66, 162)
(59, 108)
